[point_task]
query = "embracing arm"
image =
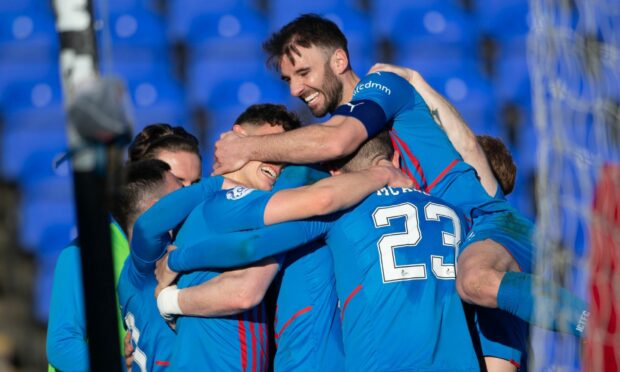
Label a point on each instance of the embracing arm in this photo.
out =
(150, 232)
(243, 248)
(229, 293)
(448, 117)
(335, 138)
(331, 194)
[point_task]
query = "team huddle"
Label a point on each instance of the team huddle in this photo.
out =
(384, 233)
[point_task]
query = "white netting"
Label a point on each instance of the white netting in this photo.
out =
(574, 62)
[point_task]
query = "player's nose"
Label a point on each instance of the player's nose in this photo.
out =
(296, 87)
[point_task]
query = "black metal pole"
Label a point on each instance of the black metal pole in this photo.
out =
(78, 60)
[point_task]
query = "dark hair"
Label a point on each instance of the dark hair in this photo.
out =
(501, 162)
(143, 181)
(276, 115)
(378, 146)
(306, 30)
(157, 137)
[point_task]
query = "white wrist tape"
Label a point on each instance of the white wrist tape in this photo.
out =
(168, 302)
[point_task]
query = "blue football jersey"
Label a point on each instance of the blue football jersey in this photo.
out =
(237, 342)
(394, 258)
(307, 326)
(427, 156)
(152, 339)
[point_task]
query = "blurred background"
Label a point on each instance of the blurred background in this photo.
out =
(198, 64)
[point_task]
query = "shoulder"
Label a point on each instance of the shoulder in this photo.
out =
(384, 83)
(69, 256)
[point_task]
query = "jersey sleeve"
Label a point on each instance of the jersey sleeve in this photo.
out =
(245, 247)
(377, 99)
(66, 329)
(239, 208)
(150, 232)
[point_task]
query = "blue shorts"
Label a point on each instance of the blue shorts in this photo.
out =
(510, 229)
(502, 335)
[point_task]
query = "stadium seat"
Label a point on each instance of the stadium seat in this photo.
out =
(37, 93)
(137, 37)
(245, 92)
(502, 19)
(385, 13)
(28, 37)
(28, 153)
(157, 99)
(204, 75)
(181, 13)
(227, 36)
(37, 215)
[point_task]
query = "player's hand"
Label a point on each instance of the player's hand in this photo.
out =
(406, 73)
(395, 177)
(164, 275)
(230, 153)
(128, 351)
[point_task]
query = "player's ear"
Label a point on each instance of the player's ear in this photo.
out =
(396, 159)
(237, 128)
(339, 61)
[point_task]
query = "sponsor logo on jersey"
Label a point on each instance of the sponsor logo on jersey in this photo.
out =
(372, 85)
(238, 192)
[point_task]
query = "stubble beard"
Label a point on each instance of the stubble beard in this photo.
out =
(332, 89)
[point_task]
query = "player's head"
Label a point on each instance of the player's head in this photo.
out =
(501, 162)
(370, 153)
(311, 54)
(171, 144)
(257, 120)
(146, 181)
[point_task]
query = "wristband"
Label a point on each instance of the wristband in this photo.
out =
(168, 303)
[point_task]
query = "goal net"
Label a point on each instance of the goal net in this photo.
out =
(574, 62)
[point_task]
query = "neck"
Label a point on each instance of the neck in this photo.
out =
(233, 179)
(349, 81)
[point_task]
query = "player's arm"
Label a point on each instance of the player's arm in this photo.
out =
(245, 247)
(67, 348)
(335, 138)
(151, 230)
(229, 293)
(366, 115)
(331, 194)
(448, 117)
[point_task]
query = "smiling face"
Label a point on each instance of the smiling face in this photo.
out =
(256, 174)
(311, 78)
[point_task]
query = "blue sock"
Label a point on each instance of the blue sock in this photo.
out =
(559, 310)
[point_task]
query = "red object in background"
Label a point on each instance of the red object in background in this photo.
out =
(602, 348)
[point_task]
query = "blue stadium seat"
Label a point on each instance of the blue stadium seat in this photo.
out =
(384, 13)
(38, 215)
(32, 94)
(282, 12)
(227, 36)
(28, 36)
(157, 99)
(248, 91)
(181, 13)
(28, 153)
(503, 19)
(204, 75)
(513, 81)
(43, 286)
(137, 37)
